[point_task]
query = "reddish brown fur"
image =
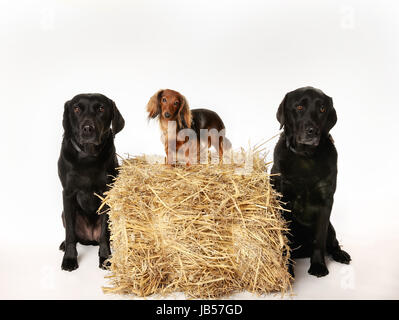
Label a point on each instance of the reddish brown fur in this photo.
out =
(171, 102)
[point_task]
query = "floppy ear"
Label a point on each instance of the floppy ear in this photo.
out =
(332, 116)
(280, 113)
(184, 115)
(118, 123)
(65, 119)
(154, 106)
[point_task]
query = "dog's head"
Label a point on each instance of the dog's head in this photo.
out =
(88, 118)
(307, 114)
(170, 105)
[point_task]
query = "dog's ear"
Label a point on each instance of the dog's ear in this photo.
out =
(184, 114)
(65, 119)
(331, 117)
(118, 123)
(281, 113)
(154, 105)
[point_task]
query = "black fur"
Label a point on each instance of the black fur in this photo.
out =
(306, 159)
(86, 165)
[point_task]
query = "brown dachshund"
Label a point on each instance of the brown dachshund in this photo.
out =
(169, 105)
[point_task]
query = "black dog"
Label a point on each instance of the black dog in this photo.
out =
(85, 167)
(306, 159)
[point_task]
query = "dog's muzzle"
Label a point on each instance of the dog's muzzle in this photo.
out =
(89, 133)
(309, 136)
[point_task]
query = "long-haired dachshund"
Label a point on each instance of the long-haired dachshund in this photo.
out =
(169, 105)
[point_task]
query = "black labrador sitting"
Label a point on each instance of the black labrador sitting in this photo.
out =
(86, 165)
(306, 159)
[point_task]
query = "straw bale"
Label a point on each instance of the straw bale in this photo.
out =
(207, 230)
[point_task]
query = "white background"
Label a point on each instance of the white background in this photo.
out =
(238, 58)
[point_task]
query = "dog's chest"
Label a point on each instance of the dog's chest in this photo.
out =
(86, 184)
(309, 183)
(303, 208)
(88, 178)
(303, 171)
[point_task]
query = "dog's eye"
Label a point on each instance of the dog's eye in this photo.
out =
(76, 109)
(163, 99)
(176, 103)
(101, 109)
(322, 109)
(300, 108)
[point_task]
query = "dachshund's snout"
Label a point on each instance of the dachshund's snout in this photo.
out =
(167, 115)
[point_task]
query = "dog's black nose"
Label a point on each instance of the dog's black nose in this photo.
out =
(88, 129)
(167, 115)
(312, 131)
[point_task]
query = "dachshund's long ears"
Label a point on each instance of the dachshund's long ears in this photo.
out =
(184, 115)
(118, 123)
(154, 106)
(281, 113)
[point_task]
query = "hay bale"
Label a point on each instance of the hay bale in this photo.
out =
(203, 230)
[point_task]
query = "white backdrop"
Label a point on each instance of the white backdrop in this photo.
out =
(238, 58)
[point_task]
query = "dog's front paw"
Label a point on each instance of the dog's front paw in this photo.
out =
(318, 270)
(291, 271)
(69, 264)
(341, 256)
(104, 263)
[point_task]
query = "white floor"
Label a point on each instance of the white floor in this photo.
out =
(34, 273)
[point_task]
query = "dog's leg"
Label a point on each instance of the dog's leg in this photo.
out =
(167, 154)
(333, 247)
(70, 260)
(62, 245)
(187, 156)
(290, 266)
(221, 149)
(198, 152)
(277, 184)
(301, 244)
(105, 251)
(167, 159)
(318, 266)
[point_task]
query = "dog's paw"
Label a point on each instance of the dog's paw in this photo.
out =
(318, 270)
(104, 263)
(291, 271)
(69, 264)
(341, 256)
